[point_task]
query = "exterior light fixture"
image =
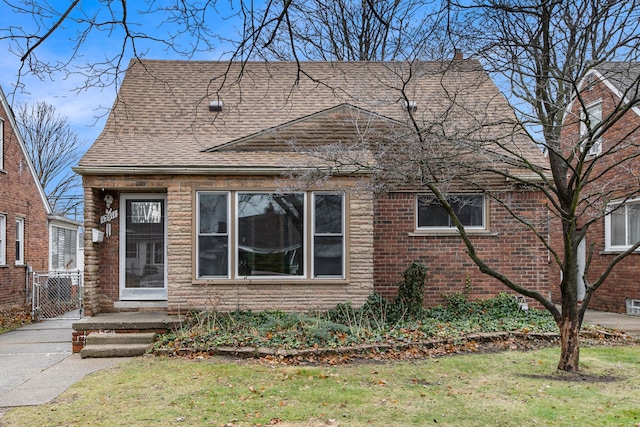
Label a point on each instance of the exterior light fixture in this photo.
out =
(215, 105)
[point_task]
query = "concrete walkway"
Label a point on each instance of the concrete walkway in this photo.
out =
(623, 322)
(36, 364)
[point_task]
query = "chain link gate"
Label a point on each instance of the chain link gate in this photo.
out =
(57, 295)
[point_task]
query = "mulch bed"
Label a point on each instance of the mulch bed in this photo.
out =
(475, 343)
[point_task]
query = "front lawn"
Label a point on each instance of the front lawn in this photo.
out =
(503, 389)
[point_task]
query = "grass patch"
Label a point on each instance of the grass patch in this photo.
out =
(505, 389)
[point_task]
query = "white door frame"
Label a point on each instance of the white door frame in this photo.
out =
(141, 294)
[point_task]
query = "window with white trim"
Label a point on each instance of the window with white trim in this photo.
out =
(469, 208)
(622, 225)
(270, 235)
(1, 144)
(64, 248)
(213, 234)
(19, 241)
(328, 235)
(590, 119)
(3, 239)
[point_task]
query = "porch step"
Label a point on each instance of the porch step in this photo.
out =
(100, 344)
(104, 326)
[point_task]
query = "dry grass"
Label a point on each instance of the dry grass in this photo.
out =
(503, 389)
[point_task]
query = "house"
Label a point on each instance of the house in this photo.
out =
(605, 92)
(26, 220)
(188, 204)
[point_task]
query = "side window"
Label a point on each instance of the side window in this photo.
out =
(213, 234)
(622, 225)
(590, 119)
(328, 235)
(3, 239)
(19, 241)
(469, 208)
(1, 144)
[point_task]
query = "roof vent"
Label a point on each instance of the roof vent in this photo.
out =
(215, 105)
(411, 106)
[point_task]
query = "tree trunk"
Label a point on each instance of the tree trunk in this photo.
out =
(569, 341)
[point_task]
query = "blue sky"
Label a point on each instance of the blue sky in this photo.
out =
(86, 109)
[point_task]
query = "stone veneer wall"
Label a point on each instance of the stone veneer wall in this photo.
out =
(102, 266)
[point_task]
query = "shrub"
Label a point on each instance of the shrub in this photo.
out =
(411, 290)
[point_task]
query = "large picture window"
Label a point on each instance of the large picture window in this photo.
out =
(270, 235)
(622, 225)
(469, 208)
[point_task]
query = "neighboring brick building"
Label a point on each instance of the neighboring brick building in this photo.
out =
(604, 92)
(32, 239)
(24, 232)
(184, 189)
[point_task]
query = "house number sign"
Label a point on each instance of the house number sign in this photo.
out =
(108, 215)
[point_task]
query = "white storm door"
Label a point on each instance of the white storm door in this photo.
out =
(143, 236)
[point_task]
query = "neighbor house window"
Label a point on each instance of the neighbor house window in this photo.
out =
(1, 144)
(622, 225)
(469, 208)
(270, 235)
(3, 239)
(64, 248)
(590, 119)
(19, 241)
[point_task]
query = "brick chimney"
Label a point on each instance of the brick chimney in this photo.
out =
(457, 54)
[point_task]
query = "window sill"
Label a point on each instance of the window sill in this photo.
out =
(21, 265)
(453, 232)
(4, 265)
(618, 252)
(3, 171)
(269, 282)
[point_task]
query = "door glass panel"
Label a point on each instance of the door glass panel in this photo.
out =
(144, 262)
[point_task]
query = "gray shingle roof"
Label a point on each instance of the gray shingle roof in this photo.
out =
(161, 116)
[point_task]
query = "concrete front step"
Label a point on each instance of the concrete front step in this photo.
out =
(120, 324)
(106, 338)
(110, 344)
(107, 350)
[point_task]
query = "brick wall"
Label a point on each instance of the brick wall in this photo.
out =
(507, 246)
(184, 292)
(617, 174)
(19, 197)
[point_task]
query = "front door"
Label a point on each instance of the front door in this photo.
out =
(143, 269)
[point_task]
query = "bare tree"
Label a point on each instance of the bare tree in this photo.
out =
(540, 52)
(53, 147)
(347, 30)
